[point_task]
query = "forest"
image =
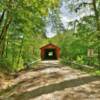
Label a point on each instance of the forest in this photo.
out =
(25, 24)
(28, 25)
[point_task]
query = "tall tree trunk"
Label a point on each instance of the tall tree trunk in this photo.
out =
(2, 16)
(6, 47)
(20, 51)
(98, 26)
(96, 15)
(3, 34)
(6, 25)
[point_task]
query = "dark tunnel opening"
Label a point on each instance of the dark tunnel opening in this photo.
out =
(50, 54)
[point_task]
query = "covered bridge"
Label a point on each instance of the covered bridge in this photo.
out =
(50, 52)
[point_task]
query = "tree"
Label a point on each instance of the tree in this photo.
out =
(21, 18)
(94, 2)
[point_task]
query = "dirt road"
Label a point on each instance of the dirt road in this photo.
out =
(53, 81)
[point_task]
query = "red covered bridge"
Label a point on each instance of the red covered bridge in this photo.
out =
(50, 52)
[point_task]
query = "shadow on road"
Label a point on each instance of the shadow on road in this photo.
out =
(54, 87)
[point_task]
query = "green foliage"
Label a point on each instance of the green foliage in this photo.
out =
(20, 43)
(25, 34)
(97, 72)
(5, 65)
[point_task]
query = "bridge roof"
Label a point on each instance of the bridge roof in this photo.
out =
(49, 45)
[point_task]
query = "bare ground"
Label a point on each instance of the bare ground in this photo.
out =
(52, 81)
